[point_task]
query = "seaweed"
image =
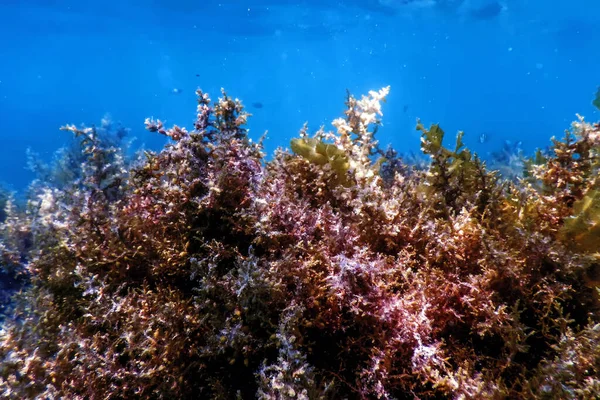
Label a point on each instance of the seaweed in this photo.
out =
(596, 101)
(206, 270)
(317, 152)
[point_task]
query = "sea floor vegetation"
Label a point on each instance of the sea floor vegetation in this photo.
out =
(335, 270)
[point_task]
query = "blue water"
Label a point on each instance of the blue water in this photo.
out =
(515, 70)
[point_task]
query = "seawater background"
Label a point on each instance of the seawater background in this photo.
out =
(520, 75)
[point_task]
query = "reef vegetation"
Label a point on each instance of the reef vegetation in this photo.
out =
(331, 271)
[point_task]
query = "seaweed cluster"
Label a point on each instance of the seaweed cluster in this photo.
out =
(206, 271)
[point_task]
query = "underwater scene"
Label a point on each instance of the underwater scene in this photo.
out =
(310, 199)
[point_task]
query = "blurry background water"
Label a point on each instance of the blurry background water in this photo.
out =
(501, 70)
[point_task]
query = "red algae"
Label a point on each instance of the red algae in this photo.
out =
(206, 271)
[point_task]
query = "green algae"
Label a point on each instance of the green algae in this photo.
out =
(582, 230)
(596, 101)
(320, 153)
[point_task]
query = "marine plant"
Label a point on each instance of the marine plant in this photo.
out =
(208, 271)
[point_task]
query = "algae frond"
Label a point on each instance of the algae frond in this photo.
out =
(320, 153)
(582, 230)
